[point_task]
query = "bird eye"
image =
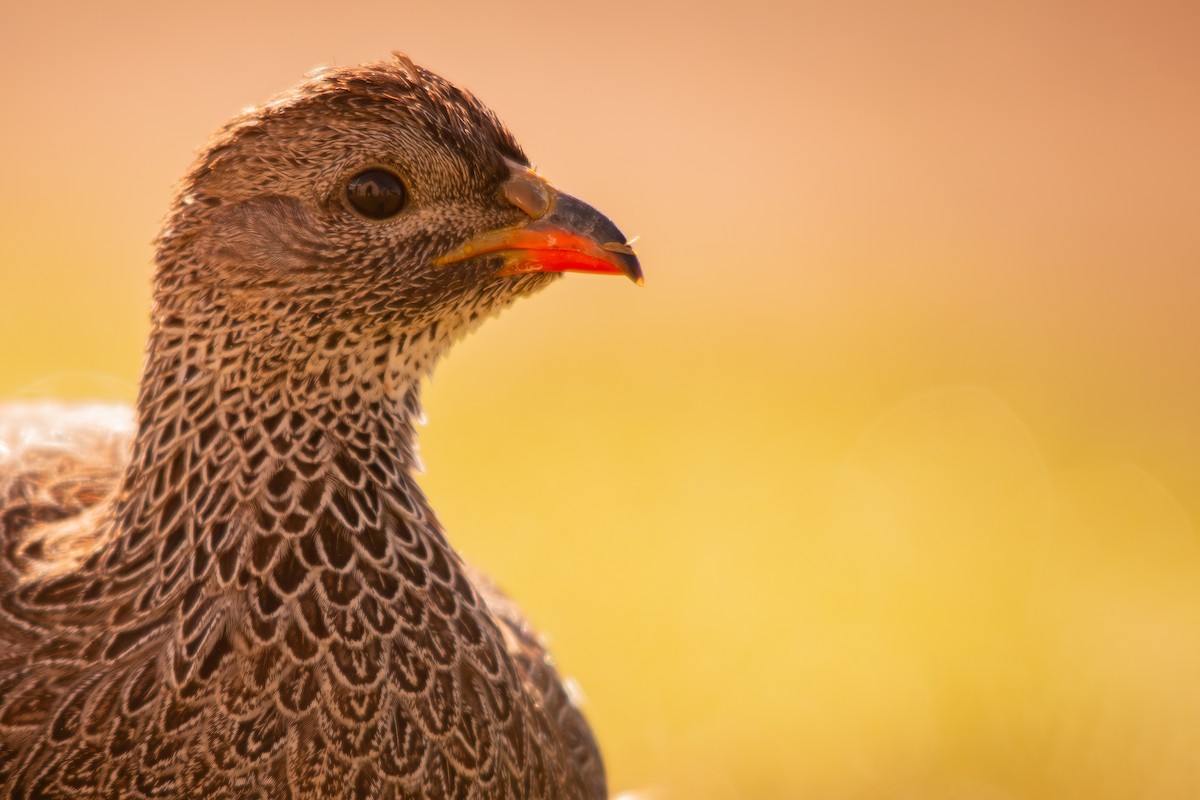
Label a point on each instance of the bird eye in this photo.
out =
(376, 194)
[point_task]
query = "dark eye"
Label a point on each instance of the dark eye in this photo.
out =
(376, 193)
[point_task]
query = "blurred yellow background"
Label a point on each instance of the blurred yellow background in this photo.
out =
(885, 485)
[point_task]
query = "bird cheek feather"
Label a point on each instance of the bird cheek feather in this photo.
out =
(258, 242)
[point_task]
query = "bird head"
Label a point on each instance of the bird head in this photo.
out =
(371, 200)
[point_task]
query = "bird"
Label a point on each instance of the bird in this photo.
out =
(239, 590)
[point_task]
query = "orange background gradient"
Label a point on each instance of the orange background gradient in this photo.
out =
(885, 485)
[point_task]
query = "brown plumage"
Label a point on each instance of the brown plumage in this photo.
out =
(243, 592)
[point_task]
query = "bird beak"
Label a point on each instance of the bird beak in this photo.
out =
(564, 235)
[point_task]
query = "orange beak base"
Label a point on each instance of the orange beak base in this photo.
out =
(557, 250)
(573, 237)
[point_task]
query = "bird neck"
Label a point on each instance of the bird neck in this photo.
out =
(252, 431)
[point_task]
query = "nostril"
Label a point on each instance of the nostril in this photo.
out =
(528, 193)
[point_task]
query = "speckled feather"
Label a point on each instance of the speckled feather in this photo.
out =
(243, 592)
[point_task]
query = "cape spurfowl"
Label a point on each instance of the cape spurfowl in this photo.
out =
(245, 594)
